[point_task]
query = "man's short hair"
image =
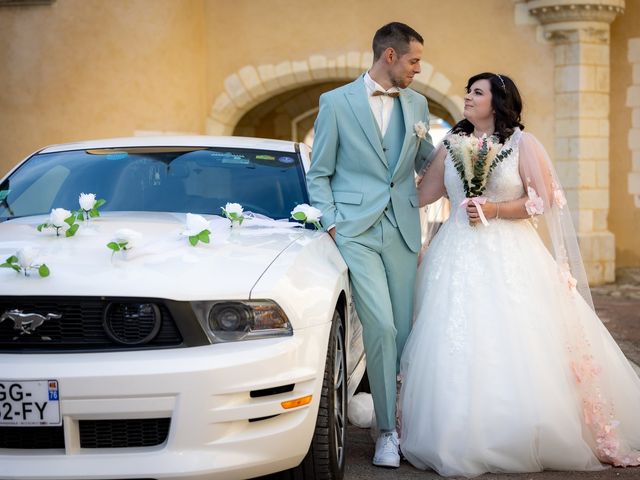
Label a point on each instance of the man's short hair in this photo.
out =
(395, 35)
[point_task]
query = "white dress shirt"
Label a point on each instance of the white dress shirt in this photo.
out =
(381, 105)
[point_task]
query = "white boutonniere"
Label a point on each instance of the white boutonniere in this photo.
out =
(25, 260)
(307, 214)
(197, 229)
(420, 130)
(234, 213)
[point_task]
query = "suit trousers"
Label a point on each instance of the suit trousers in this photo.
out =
(382, 270)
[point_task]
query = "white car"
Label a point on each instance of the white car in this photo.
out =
(155, 358)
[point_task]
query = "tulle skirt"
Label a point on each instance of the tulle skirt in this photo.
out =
(507, 368)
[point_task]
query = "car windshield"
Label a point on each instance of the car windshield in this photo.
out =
(157, 179)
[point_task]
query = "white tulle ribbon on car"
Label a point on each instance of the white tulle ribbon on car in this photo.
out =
(478, 202)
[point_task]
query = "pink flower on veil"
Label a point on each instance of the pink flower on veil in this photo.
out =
(559, 198)
(535, 204)
(567, 278)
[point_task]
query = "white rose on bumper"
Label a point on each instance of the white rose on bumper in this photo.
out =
(27, 256)
(195, 224)
(420, 130)
(234, 208)
(127, 238)
(25, 260)
(198, 229)
(234, 213)
(308, 214)
(87, 201)
(58, 216)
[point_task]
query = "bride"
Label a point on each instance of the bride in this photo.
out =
(508, 368)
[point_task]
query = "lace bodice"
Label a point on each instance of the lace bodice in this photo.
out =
(504, 182)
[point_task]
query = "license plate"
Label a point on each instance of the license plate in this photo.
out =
(29, 402)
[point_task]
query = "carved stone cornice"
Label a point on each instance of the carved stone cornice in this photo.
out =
(562, 11)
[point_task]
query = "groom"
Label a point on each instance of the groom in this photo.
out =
(366, 149)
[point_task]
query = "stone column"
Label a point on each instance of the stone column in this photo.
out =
(579, 30)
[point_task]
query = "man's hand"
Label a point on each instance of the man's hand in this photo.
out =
(332, 232)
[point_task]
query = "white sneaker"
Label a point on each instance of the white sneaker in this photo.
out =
(387, 451)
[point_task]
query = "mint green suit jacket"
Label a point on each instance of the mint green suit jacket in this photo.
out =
(349, 179)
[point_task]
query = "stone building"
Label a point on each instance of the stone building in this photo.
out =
(79, 69)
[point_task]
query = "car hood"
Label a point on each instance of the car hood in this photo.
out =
(162, 265)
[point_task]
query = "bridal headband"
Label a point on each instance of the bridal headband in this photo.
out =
(503, 85)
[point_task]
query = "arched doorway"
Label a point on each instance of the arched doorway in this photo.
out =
(261, 100)
(290, 115)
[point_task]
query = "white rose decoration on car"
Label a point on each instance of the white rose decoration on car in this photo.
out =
(89, 206)
(197, 229)
(307, 214)
(234, 212)
(124, 239)
(25, 260)
(61, 219)
(87, 201)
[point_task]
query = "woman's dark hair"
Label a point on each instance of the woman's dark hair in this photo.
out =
(395, 35)
(506, 103)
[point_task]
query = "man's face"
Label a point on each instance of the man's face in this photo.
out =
(403, 68)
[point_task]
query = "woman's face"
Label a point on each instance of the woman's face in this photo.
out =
(477, 102)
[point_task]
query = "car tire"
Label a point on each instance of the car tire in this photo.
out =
(325, 459)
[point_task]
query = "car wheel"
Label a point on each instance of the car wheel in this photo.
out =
(326, 456)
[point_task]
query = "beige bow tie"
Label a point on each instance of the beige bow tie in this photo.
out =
(377, 93)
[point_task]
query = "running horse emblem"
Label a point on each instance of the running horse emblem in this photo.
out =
(26, 323)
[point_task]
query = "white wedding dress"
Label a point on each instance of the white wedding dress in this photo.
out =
(508, 369)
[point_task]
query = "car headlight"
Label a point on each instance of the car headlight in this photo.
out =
(242, 320)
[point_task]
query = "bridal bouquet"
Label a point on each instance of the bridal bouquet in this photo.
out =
(474, 159)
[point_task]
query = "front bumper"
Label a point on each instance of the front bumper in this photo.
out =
(204, 390)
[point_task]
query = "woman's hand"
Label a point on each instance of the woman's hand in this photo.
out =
(489, 209)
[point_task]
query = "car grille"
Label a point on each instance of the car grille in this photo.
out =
(31, 437)
(130, 433)
(145, 432)
(90, 324)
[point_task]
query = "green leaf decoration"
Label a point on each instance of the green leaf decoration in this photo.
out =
(72, 230)
(123, 245)
(203, 236)
(70, 220)
(317, 225)
(79, 215)
(113, 246)
(43, 270)
(300, 216)
(193, 240)
(93, 213)
(12, 262)
(99, 203)
(41, 226)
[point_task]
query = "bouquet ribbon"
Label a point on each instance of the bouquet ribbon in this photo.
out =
(478, 202)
